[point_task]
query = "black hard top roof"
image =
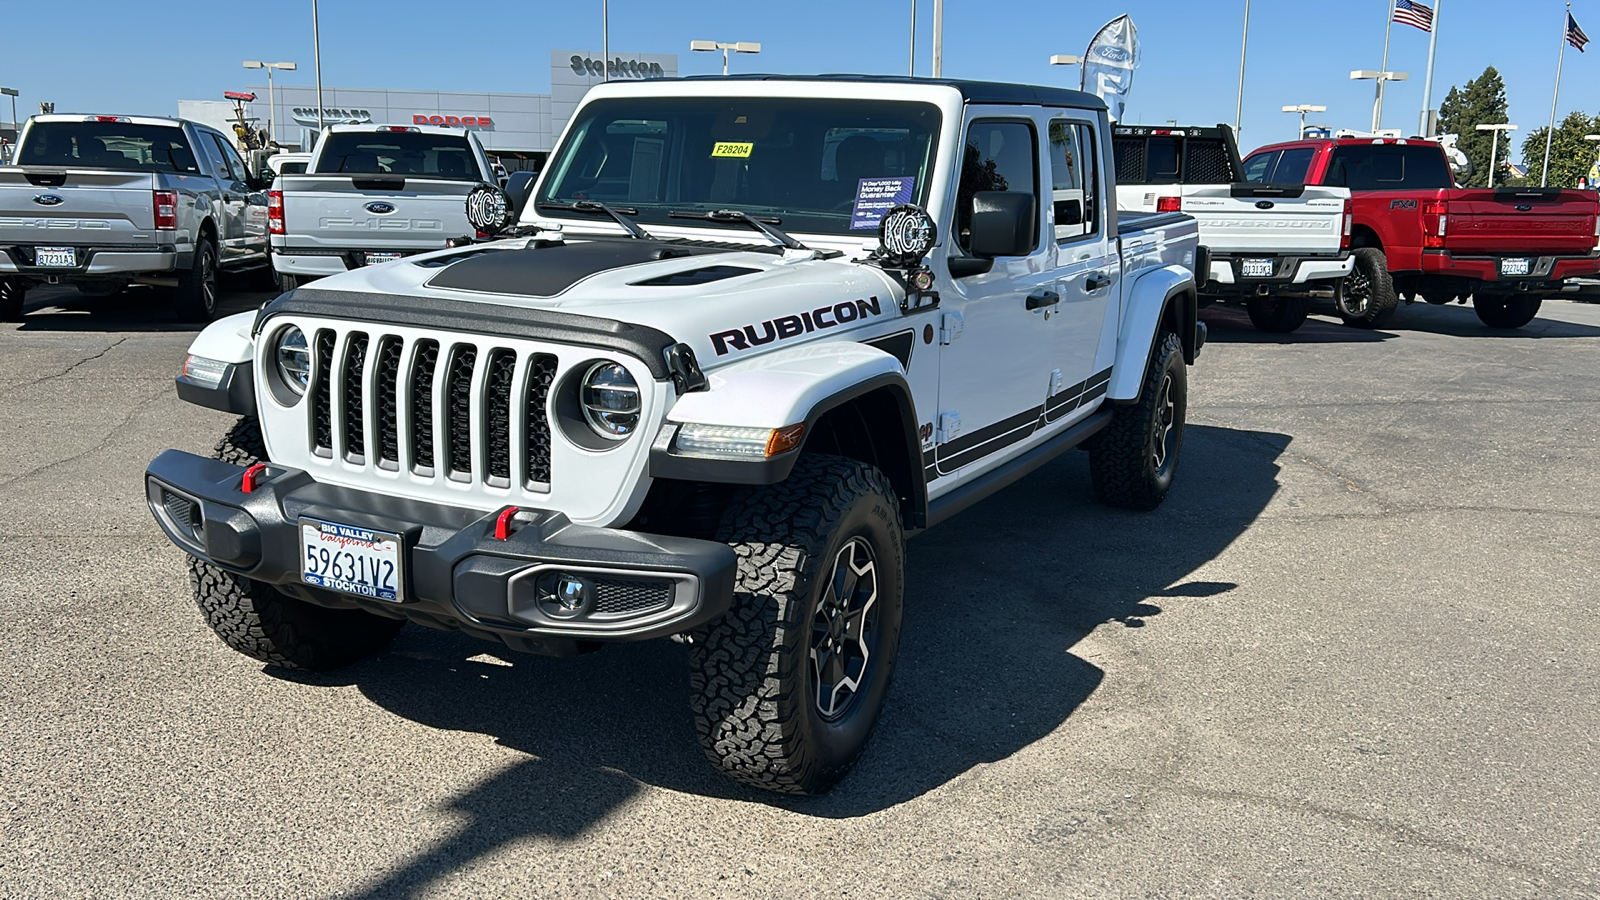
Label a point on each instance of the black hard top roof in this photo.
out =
(971, 91)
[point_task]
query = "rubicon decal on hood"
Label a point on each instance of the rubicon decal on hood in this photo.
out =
(791, 326)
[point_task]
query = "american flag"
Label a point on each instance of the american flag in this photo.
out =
(1575, 35)
(1410, 12)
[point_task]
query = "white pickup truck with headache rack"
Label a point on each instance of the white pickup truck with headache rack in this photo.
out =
(373, 194)
(747, 335)
(1275, 243)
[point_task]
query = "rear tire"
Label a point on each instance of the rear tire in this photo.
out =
(197, 288)
(786, 687)
(1367, 299)
(1133, 459)
(1277, 315)
(12, 292)
(287, 283)
(1506, 310)
(253, 618)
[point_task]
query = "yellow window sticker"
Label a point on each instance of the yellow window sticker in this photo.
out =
(732, 149)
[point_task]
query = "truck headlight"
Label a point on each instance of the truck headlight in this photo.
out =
(292, 355)
(610, 400)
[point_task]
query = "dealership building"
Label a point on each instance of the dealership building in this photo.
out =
(518, 128)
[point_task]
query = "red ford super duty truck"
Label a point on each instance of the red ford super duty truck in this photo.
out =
(1418, 236)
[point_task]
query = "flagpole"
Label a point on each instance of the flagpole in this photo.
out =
(1550, 133)
(1377, 106)
(1244, 44)
(1426, 129)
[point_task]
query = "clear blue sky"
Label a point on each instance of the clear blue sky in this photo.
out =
(93, 55)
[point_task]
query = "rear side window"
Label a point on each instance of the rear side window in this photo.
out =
(446, 156)
(108, 145)
(1258, 168)
(1074, 179)
(1389, 167)
(1280, 166)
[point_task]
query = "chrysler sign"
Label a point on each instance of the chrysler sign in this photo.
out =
(307, 115)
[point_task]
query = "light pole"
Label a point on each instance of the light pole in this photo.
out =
(316, 52)
(1494, 145)
(1062, 59)
(1381, 78)
(938, 38)
(738, 47)
(272, 106)
(1244, 44)
(1302, 109)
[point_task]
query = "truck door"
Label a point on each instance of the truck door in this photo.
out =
(1085, 269)
(994, 371)
(253, 215)
(231, 200)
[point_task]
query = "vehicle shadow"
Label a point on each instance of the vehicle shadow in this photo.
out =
(137, 308)
(1229, 324)
(996, 600)
(1458, 320)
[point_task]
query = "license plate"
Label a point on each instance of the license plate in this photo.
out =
(56, 257)
(1518, 266)
(351, 560)
(1257, 268)
(376, 258)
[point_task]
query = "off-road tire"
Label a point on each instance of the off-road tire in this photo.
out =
(12, 292)
(1506, 310)
(1124, 464)
(753, 690)
(287, 283)
(1277, 315)
(253, 618)
(1367, 298)
(196, 300)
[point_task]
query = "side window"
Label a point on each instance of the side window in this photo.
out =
(999, 156)
(218, 151)
(235, 163)
(1162, 165)
(1091, 179)
(1258, 167)
(1294, 165)
(208, 149)
(1073, 185)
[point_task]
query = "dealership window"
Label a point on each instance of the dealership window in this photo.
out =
(399, 153)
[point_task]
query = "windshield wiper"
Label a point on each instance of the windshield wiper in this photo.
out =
(766, 226)
(619, 213)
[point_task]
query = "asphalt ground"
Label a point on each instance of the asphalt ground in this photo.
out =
(1355, 654)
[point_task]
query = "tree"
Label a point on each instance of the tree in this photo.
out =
(1570, 155)
(1481, 101)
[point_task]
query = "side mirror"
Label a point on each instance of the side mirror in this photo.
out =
(1003, 223)
(519, 187)
(1069, 212)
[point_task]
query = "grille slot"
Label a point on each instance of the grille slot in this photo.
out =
(458, 411)
(497, 416)
(536, 429)
(355, 361)
(629, 597)
(422, 370)
(386, 400)
(321, 401)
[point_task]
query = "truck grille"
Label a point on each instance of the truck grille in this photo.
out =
(457, 411)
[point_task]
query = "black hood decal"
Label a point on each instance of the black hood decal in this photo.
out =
(547, 270)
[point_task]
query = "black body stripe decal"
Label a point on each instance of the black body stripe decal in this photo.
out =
(970, 448)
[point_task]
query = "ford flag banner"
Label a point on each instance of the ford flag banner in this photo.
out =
(1109, 61)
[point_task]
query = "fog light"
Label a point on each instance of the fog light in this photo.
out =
(565, 595)
(572, 592)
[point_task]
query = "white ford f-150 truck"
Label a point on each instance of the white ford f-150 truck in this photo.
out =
(373, 194)
(747, 335)
(1274, 246)
(101, 202)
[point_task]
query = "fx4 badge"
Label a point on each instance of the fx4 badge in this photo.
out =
(789, 326)
(1402, 204)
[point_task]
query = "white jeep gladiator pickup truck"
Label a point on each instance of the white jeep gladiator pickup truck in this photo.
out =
(373, 194)
(101, 202)
(747, 335)
(1274, 246)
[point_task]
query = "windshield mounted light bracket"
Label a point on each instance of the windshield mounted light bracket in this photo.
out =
(906, 234)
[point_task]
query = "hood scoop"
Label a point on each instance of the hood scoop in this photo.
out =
(545, 271)
(695, 276)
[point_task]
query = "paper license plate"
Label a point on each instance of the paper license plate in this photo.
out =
(56, 257)
(1517, 266)
(1257, 268)
(376, 258)
(352, 560)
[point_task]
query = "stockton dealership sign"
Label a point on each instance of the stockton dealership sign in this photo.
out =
(617, 68)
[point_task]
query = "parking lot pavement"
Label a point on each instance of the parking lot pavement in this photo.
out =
(1355, 654)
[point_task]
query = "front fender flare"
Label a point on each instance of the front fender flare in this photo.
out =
(1152, 298)
(226, 340)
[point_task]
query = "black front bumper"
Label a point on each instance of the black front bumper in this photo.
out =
(457, 574)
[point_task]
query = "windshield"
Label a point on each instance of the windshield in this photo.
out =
(108, 145)
(447, 156)
(823, 166)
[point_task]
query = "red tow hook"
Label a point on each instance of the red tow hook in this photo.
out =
(502, 522)
(253, 477)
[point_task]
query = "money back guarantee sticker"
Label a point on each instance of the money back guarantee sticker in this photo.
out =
(876, 196)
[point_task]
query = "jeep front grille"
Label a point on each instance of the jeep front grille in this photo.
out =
(444, 411)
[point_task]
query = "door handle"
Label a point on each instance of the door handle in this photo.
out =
(1096, 282)
(1041, 299)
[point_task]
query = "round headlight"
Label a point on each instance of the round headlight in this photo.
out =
(293, 357)
(610, 400)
